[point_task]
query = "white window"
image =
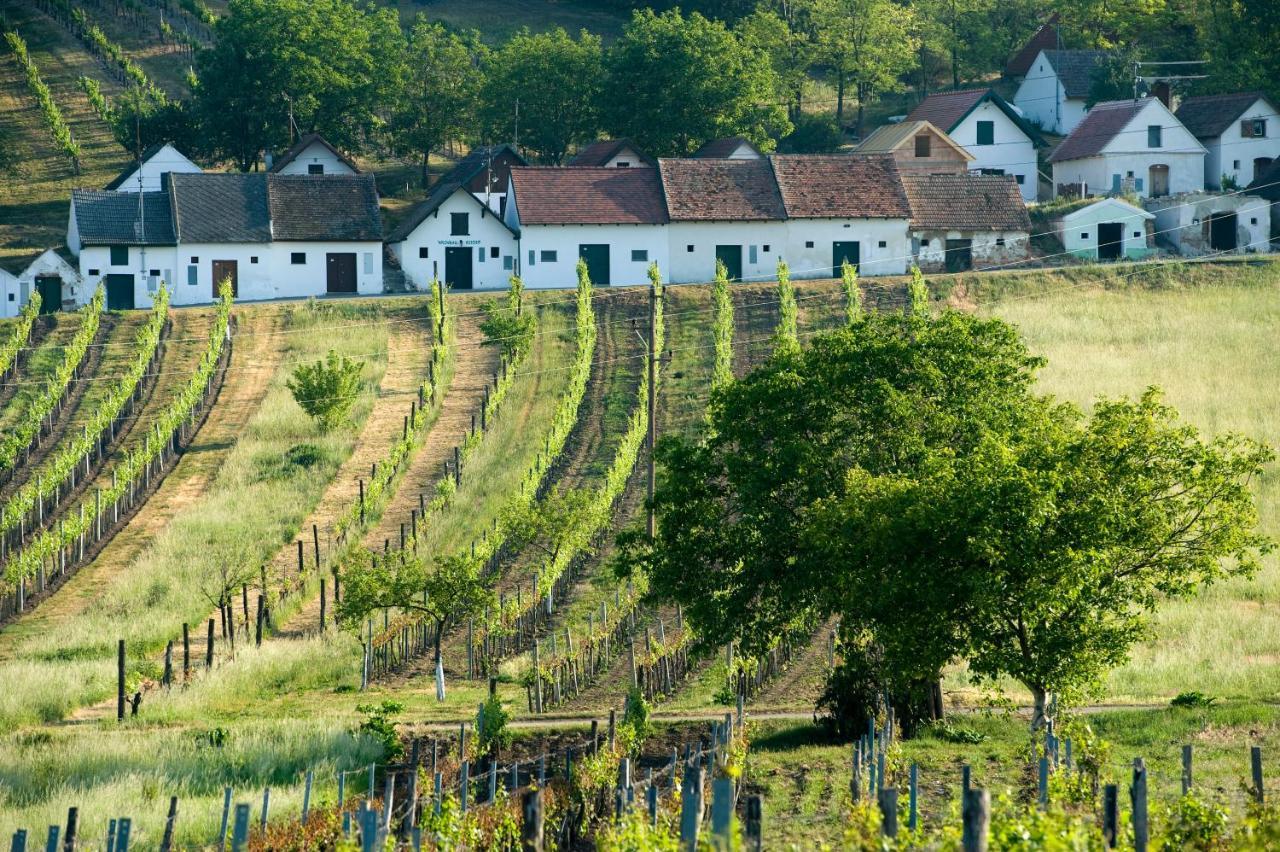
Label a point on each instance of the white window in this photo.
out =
(480, 253)
(639, 255)
(193, 275)
(548, 256)
(751, 254)
(508, 262)
(368, 263)
(532, 254)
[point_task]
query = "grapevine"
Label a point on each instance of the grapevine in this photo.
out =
(58, 128)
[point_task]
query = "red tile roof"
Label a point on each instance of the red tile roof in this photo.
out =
(1100, 126)
(945, 109)
(966, 202)
(720, 190)
(588, 196)
(835, 186)
(1045, 38)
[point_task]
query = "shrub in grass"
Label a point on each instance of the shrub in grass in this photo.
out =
(380, 728)
(326, 390)
(1192, 823)
(1192, 699)
(492, 731)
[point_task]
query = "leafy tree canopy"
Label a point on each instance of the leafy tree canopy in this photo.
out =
(544, 89)
(674, 82)
(904, 476)
(327, 389)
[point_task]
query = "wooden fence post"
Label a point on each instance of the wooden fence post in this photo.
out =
(208, 648)
(914, 793)
(755, 822)
(532, 821)
(691, 808)
(240, 833)
(977, 820)
(721, 811)
(186, 652)
(1186, 769)
(257, 636)
(69, 836)
(166, 842)
(120, 681)
(1255, 761)
(888, 800)
(1110, 815)
(221, 839)
(1138, 793)
(323, 603)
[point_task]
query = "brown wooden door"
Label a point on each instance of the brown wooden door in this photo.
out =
(340, 272)
(223, 269)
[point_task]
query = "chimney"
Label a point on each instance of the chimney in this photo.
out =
(1160, 89)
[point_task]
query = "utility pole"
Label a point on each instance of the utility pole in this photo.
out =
(653, 400)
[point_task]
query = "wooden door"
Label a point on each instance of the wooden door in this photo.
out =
(731, 257)
(119, 292)
(50, 289)
(457, 267)
(597, 258)
(222, 270)
(340, 272)
(1159, 176)
(845, 251)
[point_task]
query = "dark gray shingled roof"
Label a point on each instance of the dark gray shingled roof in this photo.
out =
(329, 207)
(1075, 69)
(113, 218)
(460, 175)
(1207, 116)
(220, 208)
(235, 208)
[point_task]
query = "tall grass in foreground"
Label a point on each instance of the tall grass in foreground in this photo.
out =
(1213, 349)
(62, 658)
(110, 772)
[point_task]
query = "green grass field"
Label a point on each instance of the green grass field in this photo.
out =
(1202, 332)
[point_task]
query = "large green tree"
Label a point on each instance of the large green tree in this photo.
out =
(904, 475)
(673, 82)
(867, 45)
(333, 64)
(542, 90)
(438, 99)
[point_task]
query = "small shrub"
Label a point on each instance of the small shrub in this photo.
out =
(950, 733)
(326, 390)
(635, 727)
(1192, 699)
(1194, 824)
(378, 726)
(494, 734)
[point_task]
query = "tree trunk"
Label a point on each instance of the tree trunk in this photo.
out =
(840, 99)
(426, 170)
(439, 664)
(1038, 718)
(862, 99)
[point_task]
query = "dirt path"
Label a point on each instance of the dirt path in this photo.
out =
(474, 365)
(253, 362)
(801, 682)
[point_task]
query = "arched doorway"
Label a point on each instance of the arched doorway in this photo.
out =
(1158, 180)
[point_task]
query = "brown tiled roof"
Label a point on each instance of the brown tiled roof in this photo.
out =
(720, 190)
(719, 149)
(966, 202)
(1045, 38)
(835, 186)
(945, 109)
(601, 151)
(1100, 126)
(588, 196)
(1209, 115)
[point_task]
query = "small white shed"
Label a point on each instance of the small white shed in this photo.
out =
(1109, 229)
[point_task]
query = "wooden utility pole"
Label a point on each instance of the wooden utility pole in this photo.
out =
(653, 400)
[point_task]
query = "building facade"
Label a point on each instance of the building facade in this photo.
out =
(1240, 132)
(1055, 88)
(1109, 229)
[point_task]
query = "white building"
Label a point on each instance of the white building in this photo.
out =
(1201, 223)
(984, 124)
(727, 210)
(312, 155)
(613, 218)
(1055, 88)
(50, 275)
(1108, 229)
(728, 148)
(1241, 133)
(459, 233)
(1130, 146)
(612, 154)
(156, 161)
(965, 221)
(273, 236)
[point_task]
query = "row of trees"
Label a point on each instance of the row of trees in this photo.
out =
(905, 476)
(670, 80)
